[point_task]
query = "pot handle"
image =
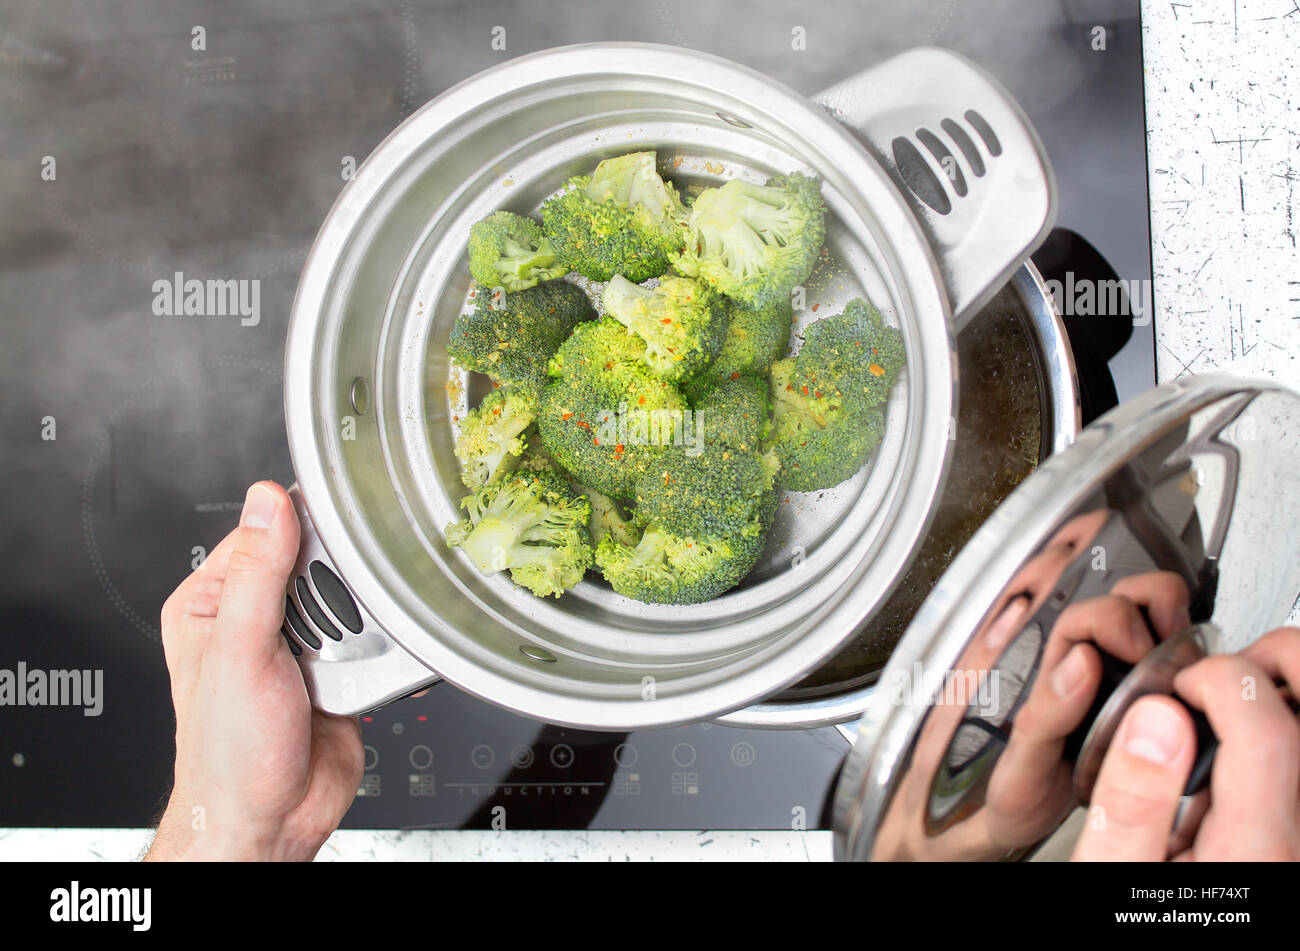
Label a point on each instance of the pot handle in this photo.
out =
(350, 663)
(965, 157)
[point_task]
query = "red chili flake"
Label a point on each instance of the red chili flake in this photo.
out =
(618, 448)
(596, 441)
(735, 376)
(666, 320)
(815, 306)
(641, 400)
(566, 416)
(805, 391)
(496, 412)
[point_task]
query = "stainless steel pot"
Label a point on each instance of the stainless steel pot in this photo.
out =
(929, 231)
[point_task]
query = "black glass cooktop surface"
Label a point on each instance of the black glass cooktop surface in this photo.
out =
(147, 143)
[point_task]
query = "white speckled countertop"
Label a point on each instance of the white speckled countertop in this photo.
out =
(1223, 115)
(1223, 110)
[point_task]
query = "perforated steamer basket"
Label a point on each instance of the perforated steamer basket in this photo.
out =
(370, 413)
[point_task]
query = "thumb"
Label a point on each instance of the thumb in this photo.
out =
(1141, 780)
(262, 556)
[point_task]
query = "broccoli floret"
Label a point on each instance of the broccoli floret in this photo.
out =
(755, 242)
(511, 338)
(492, 436)
(827, 401)
(663, 568)
(736, 412)
(852, 356)
(624, 219)
(713, 493)
(531, 524)
(608, 520)
(756, 338)
(682, 323)
(510, 252)
(537, 458)
(605, 417)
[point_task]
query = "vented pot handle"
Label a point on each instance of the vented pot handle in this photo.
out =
(965, 157)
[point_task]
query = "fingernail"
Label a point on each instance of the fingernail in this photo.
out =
(259, 507)
(1069, 672)
(1153, 733)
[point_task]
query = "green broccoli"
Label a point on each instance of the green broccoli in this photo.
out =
(537, 458)
(512, 338)
(605, 417)
(492, 436)
(828, 401)
(755, 243)
(510, 252)
(853, 356)
(736, 412)
(608, 520)
(663, 568)
(623, 219)
(682, 323)
(756, 338)
(713, 493)
(532, 524)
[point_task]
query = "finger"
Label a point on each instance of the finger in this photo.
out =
(1164, 595)
(1068, 679)
(215, 564)
(198, 596)
(1029, 771)
(1278, 653)
(189, 611)
(1006, 624)
(261, 558)
(1257, 767)
(1112, 622)
(1142, 779)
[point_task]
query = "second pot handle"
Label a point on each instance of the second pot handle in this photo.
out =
(965, 157)
(350, 663)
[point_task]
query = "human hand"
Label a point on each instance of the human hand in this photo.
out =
(259, 773)
(1254, 806)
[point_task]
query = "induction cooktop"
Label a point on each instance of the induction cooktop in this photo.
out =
(147, 143)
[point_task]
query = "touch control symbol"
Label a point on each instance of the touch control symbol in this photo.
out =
(421, 757)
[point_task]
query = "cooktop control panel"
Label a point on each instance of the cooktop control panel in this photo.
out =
(446, 760)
